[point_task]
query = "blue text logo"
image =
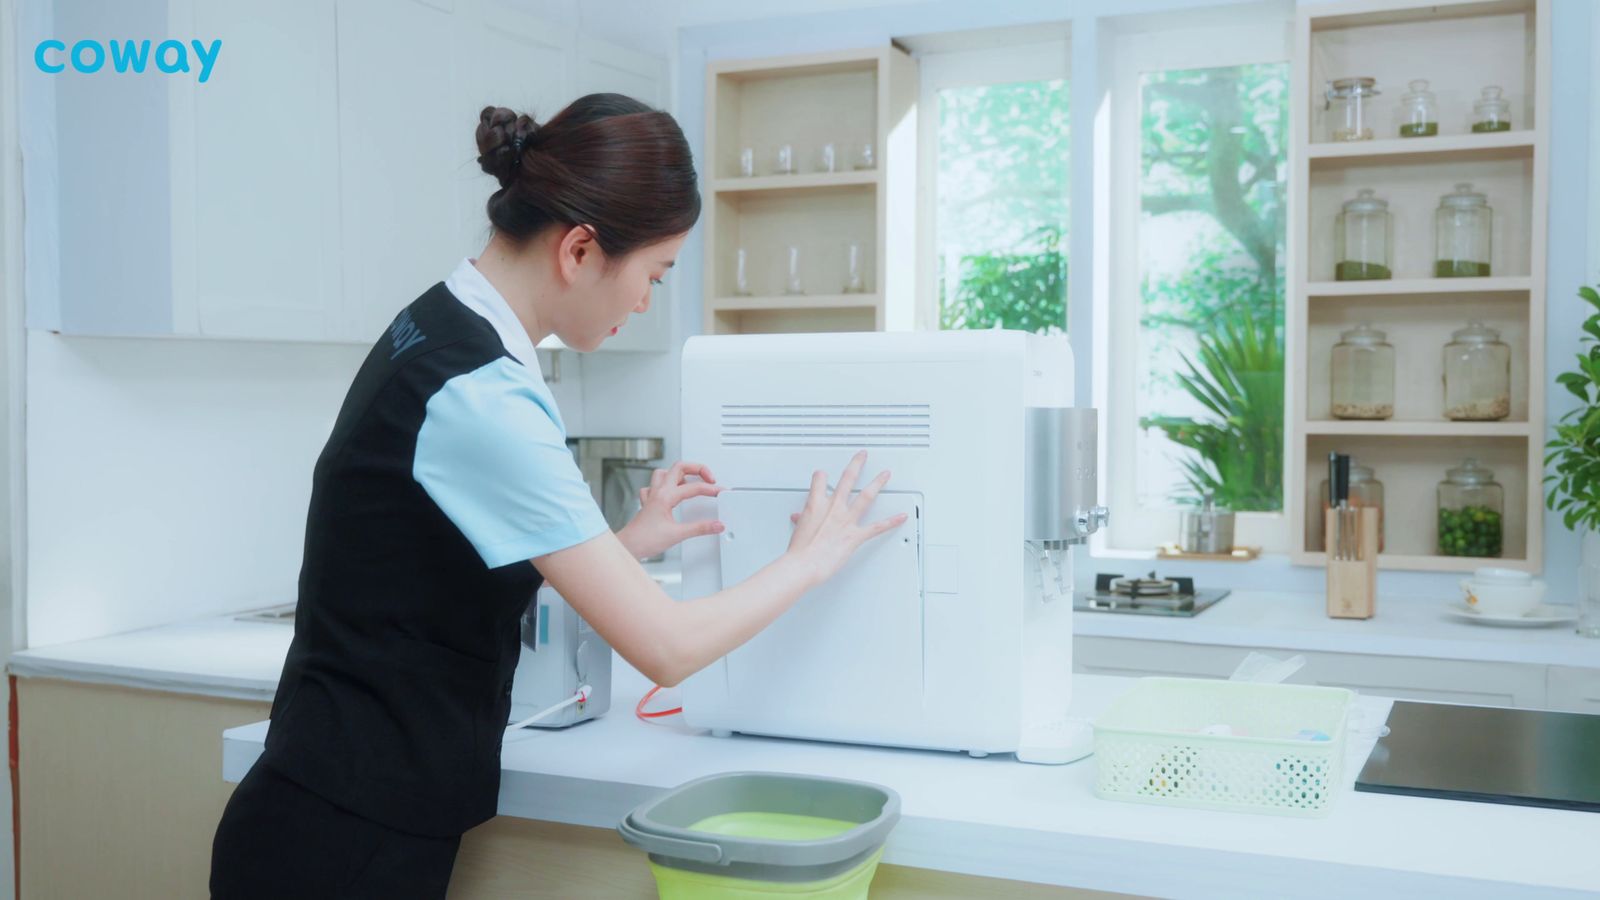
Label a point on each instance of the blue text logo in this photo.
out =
(404, 333)
(90, 56)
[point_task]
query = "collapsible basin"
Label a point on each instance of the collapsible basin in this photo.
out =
(1283, 753)
(747, 835)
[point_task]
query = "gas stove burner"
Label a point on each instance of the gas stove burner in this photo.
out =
(1149, 586)
(1144, 587)
(1151, 595)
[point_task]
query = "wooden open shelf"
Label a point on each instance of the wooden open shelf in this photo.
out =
(795, 301)
(1426, 563)
(1420, 286)
(1410, 468)
(845, 98)
(1418, 428)
(1440, 148)
(796, 182)
(1459, 47)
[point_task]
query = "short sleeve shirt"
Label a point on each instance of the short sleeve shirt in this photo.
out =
(492, 449)
(446, 471)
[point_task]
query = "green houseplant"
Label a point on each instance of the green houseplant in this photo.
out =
(1237, 375)
(1573, 463)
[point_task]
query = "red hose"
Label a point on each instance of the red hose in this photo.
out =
(639, 710)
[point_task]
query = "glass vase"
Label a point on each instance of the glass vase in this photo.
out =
(1589, 584)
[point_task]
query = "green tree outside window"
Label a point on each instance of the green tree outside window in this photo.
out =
(1002, 206)
(1212, 183)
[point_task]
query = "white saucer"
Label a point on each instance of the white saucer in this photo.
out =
(1541, 615)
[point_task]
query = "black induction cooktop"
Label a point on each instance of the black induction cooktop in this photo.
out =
(1489, 755)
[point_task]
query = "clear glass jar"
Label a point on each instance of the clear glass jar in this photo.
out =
(1361, 239)
(1477, 375)
(1362, 375)
(1365, 490)
(1349, 106)
(1461, 229)
(1491, 112)
(1471, 509)
(1419, 111)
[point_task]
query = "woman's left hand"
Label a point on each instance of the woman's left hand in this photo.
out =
(654, 529)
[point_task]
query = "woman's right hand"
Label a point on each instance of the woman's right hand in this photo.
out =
(828, 530)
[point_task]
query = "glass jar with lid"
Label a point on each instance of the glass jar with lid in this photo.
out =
(1477, 375)
(1419, 111)
(1461, 230)
(1361, 238)
(1491, 112)
(1365, 490)
(1471, 507)
(1349, 106)
(1362, 375)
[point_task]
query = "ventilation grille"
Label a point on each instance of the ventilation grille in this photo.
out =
(826, 425)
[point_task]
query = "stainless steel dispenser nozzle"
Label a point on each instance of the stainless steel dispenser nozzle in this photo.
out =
(1060, 481)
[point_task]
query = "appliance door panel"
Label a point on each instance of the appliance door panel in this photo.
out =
(846, 646)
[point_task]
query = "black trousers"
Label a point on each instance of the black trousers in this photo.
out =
(278, 840)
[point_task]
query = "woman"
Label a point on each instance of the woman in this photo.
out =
(446, 472)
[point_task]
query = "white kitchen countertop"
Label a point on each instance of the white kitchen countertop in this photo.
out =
(999, 818)
(218, 657)
(1403, 626)
(224, 657)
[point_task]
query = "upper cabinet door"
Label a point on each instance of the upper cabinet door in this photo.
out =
(510, 59)
(265, 166)
(398, 152)
(607, 68)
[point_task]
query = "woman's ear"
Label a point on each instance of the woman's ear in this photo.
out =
(576, 250)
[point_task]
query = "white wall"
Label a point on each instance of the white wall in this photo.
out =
(169, 479)
(1572, 171)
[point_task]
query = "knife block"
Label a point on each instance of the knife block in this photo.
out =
(1352, 583)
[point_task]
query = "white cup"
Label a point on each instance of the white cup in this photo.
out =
(1502, 592)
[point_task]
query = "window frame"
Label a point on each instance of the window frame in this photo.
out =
(1005, 64)
(1135, 532)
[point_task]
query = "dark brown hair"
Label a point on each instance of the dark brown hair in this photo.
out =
(607, 162)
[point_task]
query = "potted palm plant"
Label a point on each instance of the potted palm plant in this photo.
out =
(1237, 376)
(1573, 465)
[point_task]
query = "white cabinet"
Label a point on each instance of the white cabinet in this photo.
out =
(607, 68)
(511, 59)
(402, 139)
(160, 206)
(1573, 690)
(1438, 680)
(322, 178)
(1411, 678)
(265, 185)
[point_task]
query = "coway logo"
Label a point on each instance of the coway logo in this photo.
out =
(90, 56)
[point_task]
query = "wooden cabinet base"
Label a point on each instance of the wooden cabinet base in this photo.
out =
(121, 790)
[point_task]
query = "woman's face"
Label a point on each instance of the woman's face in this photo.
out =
(604, 299)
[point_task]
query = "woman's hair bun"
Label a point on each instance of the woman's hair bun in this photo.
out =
(502, 139)
(606, 162)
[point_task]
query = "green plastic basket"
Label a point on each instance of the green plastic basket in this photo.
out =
(1149, 747)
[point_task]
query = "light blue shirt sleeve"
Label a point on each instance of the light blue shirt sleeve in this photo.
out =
(492, 454)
